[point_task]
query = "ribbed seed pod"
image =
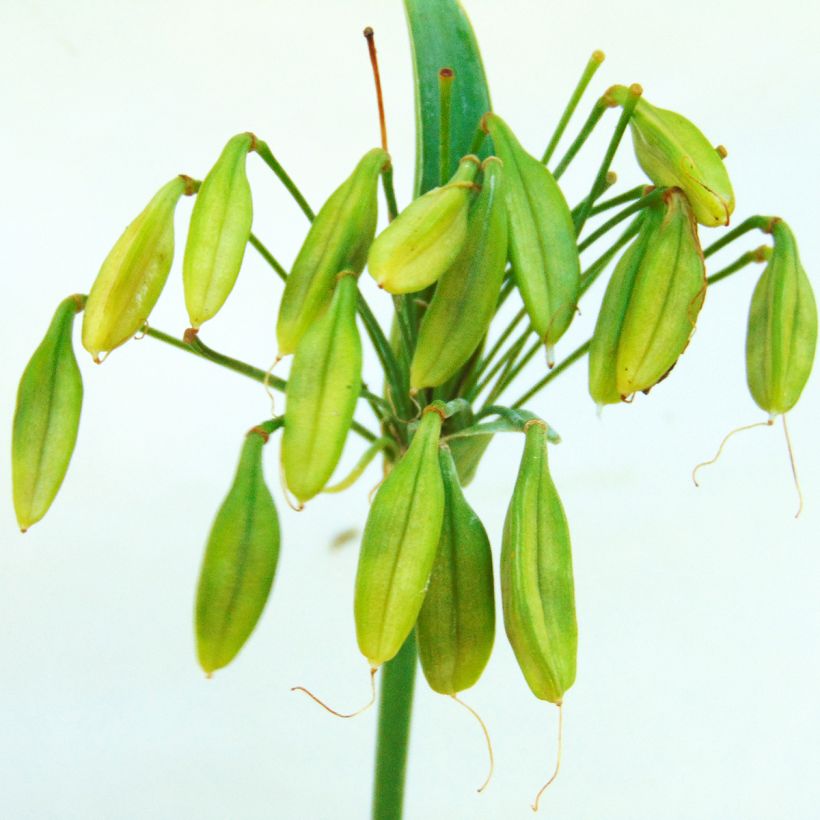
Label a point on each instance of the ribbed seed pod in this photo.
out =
(46, 418)
(240, 560)
(338, 240)
(134, 272)
(542, 241)
(456, 625)
(782, 330)
(467, 294)
(399, 546)
(421, 243)
(324, 383)
(673, 152)
(537, 590)
(651, 304)
(219, 232)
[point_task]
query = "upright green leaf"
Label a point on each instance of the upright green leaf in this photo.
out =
(441, 37)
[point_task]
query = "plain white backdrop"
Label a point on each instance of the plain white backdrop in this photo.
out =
(699, 610)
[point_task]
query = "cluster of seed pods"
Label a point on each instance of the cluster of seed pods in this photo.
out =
(426, 560)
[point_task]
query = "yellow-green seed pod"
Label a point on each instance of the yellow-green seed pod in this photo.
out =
(220, 228)
(673, 152)
(466, 296)
(134, 272)
(324, 384)
(399, 546)
(338, 240)
(46, 418)
(651, 304)
(421, 243)
(542, 241)
(537, 590)
(240, 560)
(782, 331)
(456, 625)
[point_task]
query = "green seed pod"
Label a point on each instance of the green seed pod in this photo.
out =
(338, 240)
(674, 153)
(537, 590)
(651, 304)
(421, 243)
(543, 248)
(240, 560)
(219, 232)
(324, 384)
(782, 330)
(456, 625)
(466, 296)
(399, 546)
(134, 272)
(46, 418)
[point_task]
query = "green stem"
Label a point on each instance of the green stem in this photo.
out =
(195, 346)
(390, 193)
(445, 95)
(586, 129)
(599, 185)
(589, 72)
(573, 357)
(761, 254)
(261, 148)
(621, 199)
(268, 257)
(471, 390)
(643, 202)
(478, 140)
(506, 362)
(395, 710)
(761, 223)
(589, 276)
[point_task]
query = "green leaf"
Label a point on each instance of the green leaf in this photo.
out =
(441, 37)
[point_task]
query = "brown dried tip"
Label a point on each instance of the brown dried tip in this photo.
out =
(189, 337)
(598, 56)
(432, 408)
(636, 90)
(539, 422)
(191, 185)
(254, 141)
(446, 73)
(368, 32)
(722, 151)
(265, 436)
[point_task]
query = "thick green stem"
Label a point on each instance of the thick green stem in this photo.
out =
(587, 128)
(395, 710)
(268, 257)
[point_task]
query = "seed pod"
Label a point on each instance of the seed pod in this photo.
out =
(782, 330)
(673, 152)
(240, 560)
(537, 590)
(324, 384)
(338, 240)
(134, 272)
(467, 294)
(543, 248)
(219, 232)
(651, 304)
(46, 418)
(399, 546)
(426, 237)
(456, 625)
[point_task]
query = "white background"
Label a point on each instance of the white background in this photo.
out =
(697, 692)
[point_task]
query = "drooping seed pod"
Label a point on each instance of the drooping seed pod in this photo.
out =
(542, 241)
(456, 625)
(651, 304)
(134, 272)
(339, 239)
(399, 546)
(46, 418)
(426, 237)
(220, 228)
(324, 383)
(240, 560)
(782, 329)
(537, 589)
(674, 153)
(467, 294)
